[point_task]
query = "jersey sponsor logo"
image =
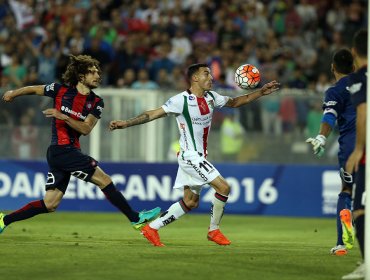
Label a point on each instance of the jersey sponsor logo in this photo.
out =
(354, 88)
(50, 87)
(330, 103)
(191, 97)
(100, 108)
(71, 112)
(204, 121)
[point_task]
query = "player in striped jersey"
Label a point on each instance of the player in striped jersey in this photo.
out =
(193, 109)
(76, 111)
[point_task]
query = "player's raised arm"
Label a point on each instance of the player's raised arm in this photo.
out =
(29, 90)
(246, 98)
(140, 119)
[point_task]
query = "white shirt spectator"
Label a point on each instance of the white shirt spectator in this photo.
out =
(181, 47)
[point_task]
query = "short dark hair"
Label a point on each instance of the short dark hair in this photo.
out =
(194, 68)
(343, 61)
(78, 65)
(360, 42)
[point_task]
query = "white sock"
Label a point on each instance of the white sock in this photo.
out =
(173, 213)
(217, 211)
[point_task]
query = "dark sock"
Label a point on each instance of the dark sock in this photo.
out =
(118, 200)
(360, 232)
(28, 211)
(344, 202)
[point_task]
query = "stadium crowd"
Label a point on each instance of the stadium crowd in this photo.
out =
(145, 44)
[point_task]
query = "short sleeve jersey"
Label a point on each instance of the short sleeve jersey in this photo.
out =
(75, 105)
(357, 86)
(338, 102)
(194, 117)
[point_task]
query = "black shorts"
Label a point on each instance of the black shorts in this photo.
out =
(64, 161)
(359, 197)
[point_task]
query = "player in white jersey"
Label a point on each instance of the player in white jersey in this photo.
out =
(193, 109)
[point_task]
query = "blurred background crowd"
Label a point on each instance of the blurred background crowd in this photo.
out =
(146, 44)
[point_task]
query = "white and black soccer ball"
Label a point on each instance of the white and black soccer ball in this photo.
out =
(247, 76)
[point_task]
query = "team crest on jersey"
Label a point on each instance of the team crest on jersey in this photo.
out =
(191, 97)
(88, 105)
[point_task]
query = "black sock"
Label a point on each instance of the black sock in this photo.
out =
(28, 211)
(360, 232)
(117, 199)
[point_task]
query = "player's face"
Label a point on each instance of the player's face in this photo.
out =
(204, 78)
(92, 78)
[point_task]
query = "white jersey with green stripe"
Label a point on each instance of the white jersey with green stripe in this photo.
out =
(194, 117)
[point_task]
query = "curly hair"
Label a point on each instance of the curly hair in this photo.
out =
(77, 67)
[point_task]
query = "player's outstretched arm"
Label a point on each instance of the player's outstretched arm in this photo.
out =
(140, 119)
(247, 98)
(29, 90)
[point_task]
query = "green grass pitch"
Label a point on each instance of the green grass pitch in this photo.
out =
(103, 246)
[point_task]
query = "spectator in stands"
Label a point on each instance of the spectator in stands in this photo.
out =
(143, 81)
(16, 71)
(25, 136)
(181, 47)
(128, 78)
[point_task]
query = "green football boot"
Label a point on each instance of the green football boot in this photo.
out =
(145, 217)
(2, 225)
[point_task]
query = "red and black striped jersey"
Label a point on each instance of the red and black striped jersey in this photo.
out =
(75, 105)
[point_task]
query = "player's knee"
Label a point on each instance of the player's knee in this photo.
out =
(347, 189)
(102, 180)
(225, 190)
(51, 206)
(192, 204)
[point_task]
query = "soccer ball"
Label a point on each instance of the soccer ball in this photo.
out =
(247, 76)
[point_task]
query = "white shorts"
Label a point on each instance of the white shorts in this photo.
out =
(194, 171)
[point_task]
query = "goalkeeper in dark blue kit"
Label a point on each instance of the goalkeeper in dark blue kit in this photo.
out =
(338, 110)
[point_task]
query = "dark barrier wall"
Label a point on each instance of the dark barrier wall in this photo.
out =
(261, 189)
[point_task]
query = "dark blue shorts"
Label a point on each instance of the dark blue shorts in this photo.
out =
(359, 198)
(64, 161)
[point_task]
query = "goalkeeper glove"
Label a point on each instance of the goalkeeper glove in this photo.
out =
(318, 144)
